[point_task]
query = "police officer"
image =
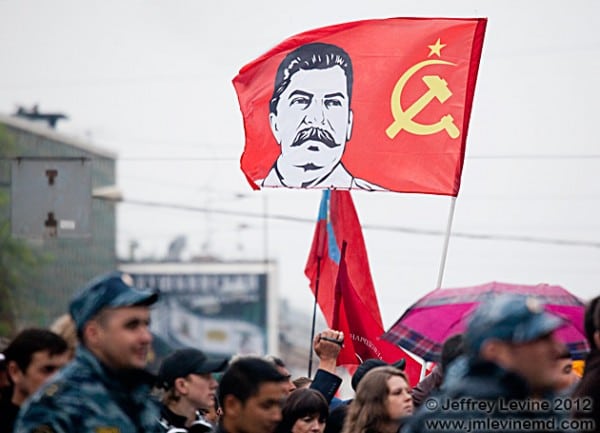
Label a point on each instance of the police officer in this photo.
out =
(507, 374)
(104, 389)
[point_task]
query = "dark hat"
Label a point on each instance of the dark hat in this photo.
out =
(509, 317)
(370, 364)
(108, 291)
(187, 361)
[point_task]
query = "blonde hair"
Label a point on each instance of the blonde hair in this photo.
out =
(65, 327)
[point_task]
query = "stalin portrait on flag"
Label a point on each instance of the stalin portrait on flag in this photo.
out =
(311, 119)
(378, 105)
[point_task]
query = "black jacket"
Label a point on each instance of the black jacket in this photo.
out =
(174, 423)
(487, 398)
(326, 383)
(8, 411)
(587, 394)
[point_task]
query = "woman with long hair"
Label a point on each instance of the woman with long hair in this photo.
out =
(304, 411)
(381, 404)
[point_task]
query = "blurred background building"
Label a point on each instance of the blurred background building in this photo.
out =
(43, 272)
(222, 307)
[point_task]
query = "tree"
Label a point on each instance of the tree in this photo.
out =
(17, 259)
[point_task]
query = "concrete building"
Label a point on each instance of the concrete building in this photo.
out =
(44, 290)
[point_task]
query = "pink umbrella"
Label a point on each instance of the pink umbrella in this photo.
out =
(424, 327)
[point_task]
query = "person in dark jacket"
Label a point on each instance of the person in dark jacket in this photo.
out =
(511, 370)
(587, 393)
(32, 357)
(190, 390)
(327, 345)
(452, 348)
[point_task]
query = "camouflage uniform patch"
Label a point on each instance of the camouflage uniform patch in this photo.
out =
(43, 428)
(107, 430)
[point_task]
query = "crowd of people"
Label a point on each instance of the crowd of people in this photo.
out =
(506, 372)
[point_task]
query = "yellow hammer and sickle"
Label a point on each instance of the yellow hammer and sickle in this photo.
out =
(438, 88)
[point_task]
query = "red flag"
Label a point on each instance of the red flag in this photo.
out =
(375, 104)
(362, 333)
(338, 222)
(343, 285)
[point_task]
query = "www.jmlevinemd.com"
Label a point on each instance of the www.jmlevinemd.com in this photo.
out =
(510, 424)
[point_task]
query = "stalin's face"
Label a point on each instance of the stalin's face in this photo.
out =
(313, 119)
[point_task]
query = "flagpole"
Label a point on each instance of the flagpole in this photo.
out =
(442, 264)
(446, 242)
(314, 318)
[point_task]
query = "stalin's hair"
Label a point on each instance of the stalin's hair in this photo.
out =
(308, 57)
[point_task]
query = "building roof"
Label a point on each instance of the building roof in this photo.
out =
(42, 130)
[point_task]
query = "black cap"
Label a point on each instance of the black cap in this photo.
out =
(370, 364)
(187, 361)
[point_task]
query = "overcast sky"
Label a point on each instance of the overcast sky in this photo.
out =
(151, 81)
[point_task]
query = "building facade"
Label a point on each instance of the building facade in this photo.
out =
(63, 264)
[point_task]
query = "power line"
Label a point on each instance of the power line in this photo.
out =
(179, 158)
(184, 158)
(415, 231)
(577, 156)
(491, 157)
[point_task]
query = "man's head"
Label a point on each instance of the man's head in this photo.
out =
(186, 375)
(453, 347)
(251, 393)
(515, 332)
(310, 111)
(302, 382)
(33, 357)
(112, 319)
(282, 368)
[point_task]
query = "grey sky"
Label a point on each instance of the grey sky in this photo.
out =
(151, 80)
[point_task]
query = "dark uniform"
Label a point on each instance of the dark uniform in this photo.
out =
(85, 397)
(478, 394)
(461, 408)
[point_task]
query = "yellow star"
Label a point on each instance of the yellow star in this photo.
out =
(436, 48)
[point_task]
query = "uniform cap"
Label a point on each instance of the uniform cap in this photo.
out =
(112, 290)
(512, 318)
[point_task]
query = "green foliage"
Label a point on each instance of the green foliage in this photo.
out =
(17, 259)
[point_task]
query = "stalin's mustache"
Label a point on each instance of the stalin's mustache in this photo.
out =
(314, 134)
